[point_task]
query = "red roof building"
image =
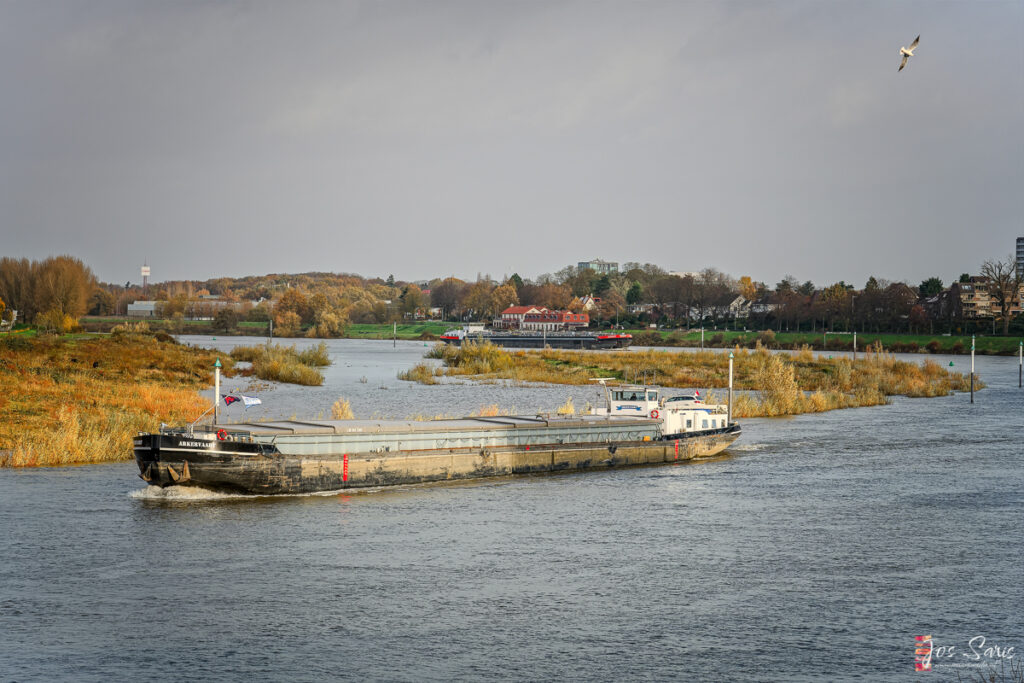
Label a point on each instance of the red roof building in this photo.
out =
(512, 317)
(555, 320)
(539, 318)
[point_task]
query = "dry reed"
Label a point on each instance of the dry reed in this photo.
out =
(284, 363)
(342, 410)
(81, 401)
(780, 384)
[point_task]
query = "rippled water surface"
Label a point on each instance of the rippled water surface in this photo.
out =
(816, 550)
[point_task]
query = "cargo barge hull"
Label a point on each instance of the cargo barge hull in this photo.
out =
(251, 463)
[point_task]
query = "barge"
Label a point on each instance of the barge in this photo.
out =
(539, 340)
(637, 427)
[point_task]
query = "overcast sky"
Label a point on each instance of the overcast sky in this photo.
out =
(435, 138)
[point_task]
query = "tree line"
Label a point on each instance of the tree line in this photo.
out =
(56, 291)
(52, 293)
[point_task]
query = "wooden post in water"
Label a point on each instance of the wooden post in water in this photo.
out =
(394, 335)
(1020, 364)
(972, 368)
(728, 419)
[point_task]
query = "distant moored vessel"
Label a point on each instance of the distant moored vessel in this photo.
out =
(538, 340)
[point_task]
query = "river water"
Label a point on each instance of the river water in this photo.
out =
(815, 550)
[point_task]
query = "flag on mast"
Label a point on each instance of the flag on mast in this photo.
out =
(250, 401)
(228, 400)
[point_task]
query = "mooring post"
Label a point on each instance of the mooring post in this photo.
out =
(855, 346)
(394, 335)
(216, 389)
(728, 419)
(972, 368)
(1020, 364)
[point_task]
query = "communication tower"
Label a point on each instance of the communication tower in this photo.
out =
(145, 277)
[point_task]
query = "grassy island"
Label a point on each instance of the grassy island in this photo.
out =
(284, 363)
(774, 384)
(80, 399)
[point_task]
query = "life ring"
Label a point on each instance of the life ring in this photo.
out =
(221, 434)
(654, 414)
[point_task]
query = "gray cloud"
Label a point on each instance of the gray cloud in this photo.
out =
(434, 138)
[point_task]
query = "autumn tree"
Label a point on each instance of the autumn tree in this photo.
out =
(612, 305)
(476, 299)
(16, 284)
(294, 301)
(748, 290)
(225, 320)
(63, 284)
(835, 302)
(502, 297)
(287, 324)
(1004, 285)
(554, 296)
(412, 298)
(328, 322)
(101, 302)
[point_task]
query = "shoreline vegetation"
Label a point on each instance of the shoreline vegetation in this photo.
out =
(429, 330)
(80, 399)
(769, 384)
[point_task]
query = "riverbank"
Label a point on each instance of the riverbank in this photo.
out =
(79, 399)
(429, 330)
(832, 341)
(772, 384)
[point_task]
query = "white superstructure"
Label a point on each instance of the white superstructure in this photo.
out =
(678, 414)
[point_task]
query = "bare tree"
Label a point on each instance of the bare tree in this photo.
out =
(1004, 283)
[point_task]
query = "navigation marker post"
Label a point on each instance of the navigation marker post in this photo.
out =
(972, 368)
(728, 418)
(216, 389)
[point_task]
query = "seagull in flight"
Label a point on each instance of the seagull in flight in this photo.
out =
(908, 52)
